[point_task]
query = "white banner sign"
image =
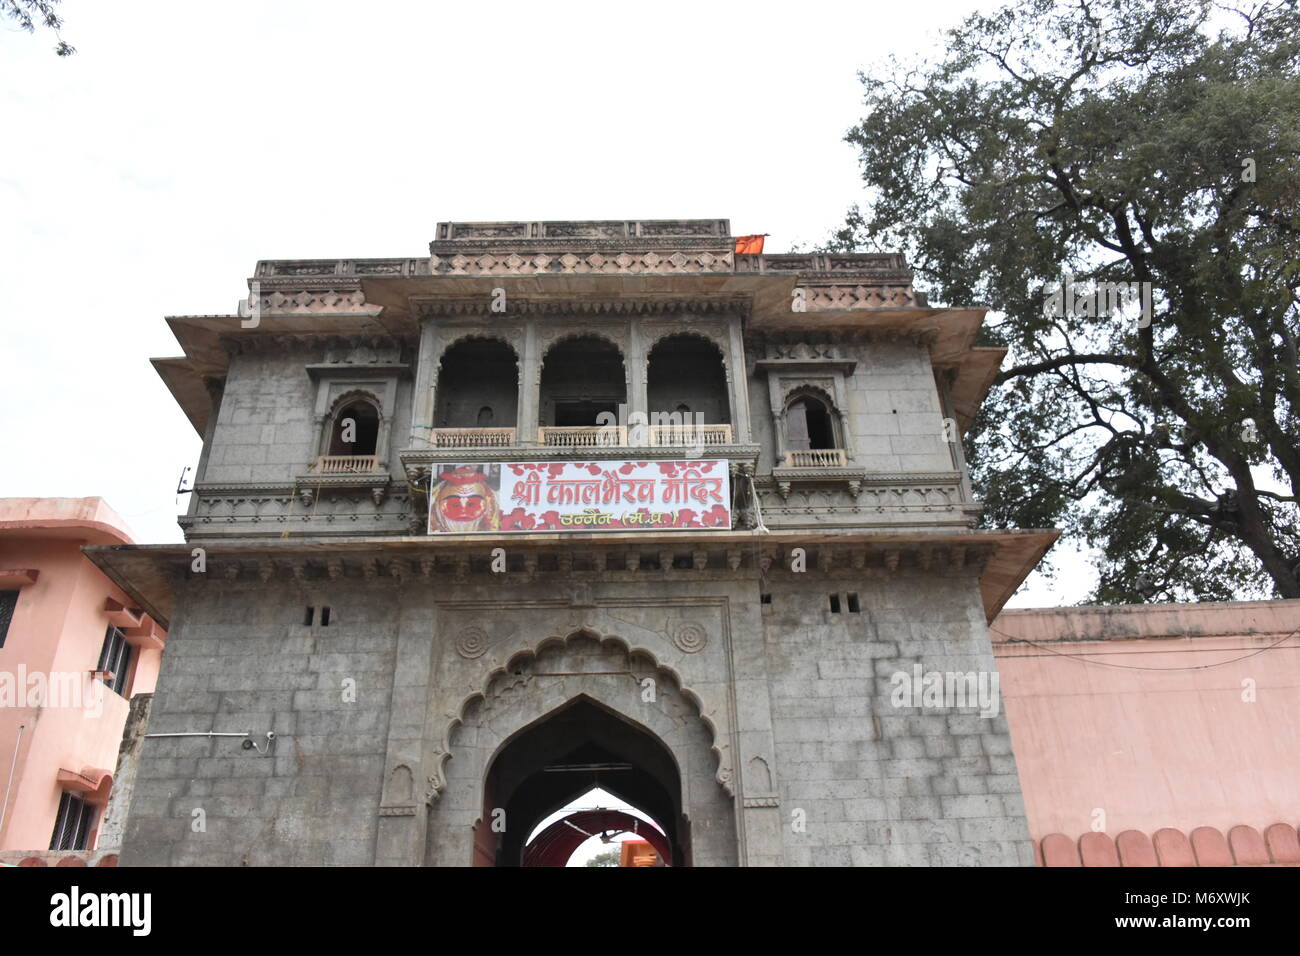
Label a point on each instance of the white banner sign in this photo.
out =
(551, 496)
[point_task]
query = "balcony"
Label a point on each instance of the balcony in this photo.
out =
(574, 442)
(345, 465)
(472, 437)
(816, 458)
(583, 436)
(659, 436)
(621, 436)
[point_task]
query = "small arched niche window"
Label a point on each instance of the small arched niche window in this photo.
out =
(485, 417)
(809, 424)
(355, 430)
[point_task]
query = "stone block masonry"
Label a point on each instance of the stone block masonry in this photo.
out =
(806, 758)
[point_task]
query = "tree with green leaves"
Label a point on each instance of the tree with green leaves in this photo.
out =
(1151, 146)
(607, 858)
(28, 12)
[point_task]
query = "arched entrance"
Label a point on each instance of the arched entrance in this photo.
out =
(579, 713)
(580, 746)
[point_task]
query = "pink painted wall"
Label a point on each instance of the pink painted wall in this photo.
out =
(1143, 713)
(58, 627)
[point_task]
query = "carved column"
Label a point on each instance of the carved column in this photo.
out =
(759, 813)
(530, 381)
(637, 386)
(403, 812)
(426, 377)
(737, 378)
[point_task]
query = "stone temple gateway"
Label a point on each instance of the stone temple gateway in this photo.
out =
(566, 504)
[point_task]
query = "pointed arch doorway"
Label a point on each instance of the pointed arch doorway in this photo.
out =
(578, 710)
(577, 747)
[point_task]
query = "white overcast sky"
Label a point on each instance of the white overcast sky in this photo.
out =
(145, 175)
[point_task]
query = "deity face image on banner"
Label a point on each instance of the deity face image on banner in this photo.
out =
(464, 498)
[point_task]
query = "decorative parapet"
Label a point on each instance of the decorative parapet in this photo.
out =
(846, 281)
(591, 247)
(565, 307)
(681, 231)
(877, 265)
(344, 269)
(667, 261)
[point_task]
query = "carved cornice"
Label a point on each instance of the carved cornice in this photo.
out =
(770, 347)
(298, 341)
(427, 307)
(217, 488)
(823, 474)
(313, 300)
(880, 478)
(563, 565)
(880, 296)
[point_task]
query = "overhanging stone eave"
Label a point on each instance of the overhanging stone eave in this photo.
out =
(949, 334)
(972, 380)
(142, 577)
(953, 329)
(187, 388)
(147, 573)
(200, 336)
(1018, 553)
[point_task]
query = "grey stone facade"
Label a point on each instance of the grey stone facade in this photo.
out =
(742, 682)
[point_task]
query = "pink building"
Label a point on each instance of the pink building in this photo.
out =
(73, 651)
(1156, 735)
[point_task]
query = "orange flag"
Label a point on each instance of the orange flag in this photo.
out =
(749, 245)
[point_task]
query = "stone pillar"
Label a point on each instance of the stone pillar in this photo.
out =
(737, 380)
(759, 814)
(403, 814)
(530, 382)
(635, 370)
(426, 384)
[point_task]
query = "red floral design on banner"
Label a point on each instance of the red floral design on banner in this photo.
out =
(716, 517)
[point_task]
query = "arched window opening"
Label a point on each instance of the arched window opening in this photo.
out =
(355, 431)
(684, 373)
(478, 387)
(582, 378)
(809, 425)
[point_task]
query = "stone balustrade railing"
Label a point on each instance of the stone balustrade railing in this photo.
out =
(583, 436)
(472, 437)
(345, 465)
(621, 436)
(686, 435)
(817, 458)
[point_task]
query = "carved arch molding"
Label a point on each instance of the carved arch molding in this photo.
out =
(491, 668)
